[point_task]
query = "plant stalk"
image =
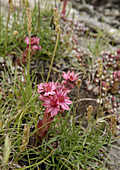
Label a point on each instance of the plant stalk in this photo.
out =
(28, 66)
(6, 31)
(53, 56)
(39, 19)
(100, 97)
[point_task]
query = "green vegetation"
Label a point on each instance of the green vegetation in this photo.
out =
(73, 140)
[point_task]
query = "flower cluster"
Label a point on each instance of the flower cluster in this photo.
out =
(34, 43)
(55, 100)
(70, 79)
(55, 94)
(55, 97)
(34, 48)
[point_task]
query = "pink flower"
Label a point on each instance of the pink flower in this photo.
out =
(27, 40)
(42, 97)
(55, 94)
(70, 76)
(52, 105)
(34, 40)
(34, 43)
(70, 79)
(36, 47)
(55, 97)
(47, 88)
(68, 84)
(61, 87)
(63, 99)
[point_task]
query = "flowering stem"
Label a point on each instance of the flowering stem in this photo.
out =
(29, 29)
(39, 17)
(6, 31)
(53, 56)
(99, 114)
(100, 71)
(104, 100)
(55, 4)
(28, 66)
(100, 94)
(78, 88)
(18, 13)
(43, 125)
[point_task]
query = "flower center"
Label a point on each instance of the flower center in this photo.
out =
(61, 99)
(48, 88)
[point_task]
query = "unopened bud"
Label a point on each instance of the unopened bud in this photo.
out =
(78, 83)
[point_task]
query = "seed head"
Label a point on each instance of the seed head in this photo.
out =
(56, 21)
(25, 138)
(11, 5)
(113, 124)
(10, 1)
(29, 20)
(89, 113)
